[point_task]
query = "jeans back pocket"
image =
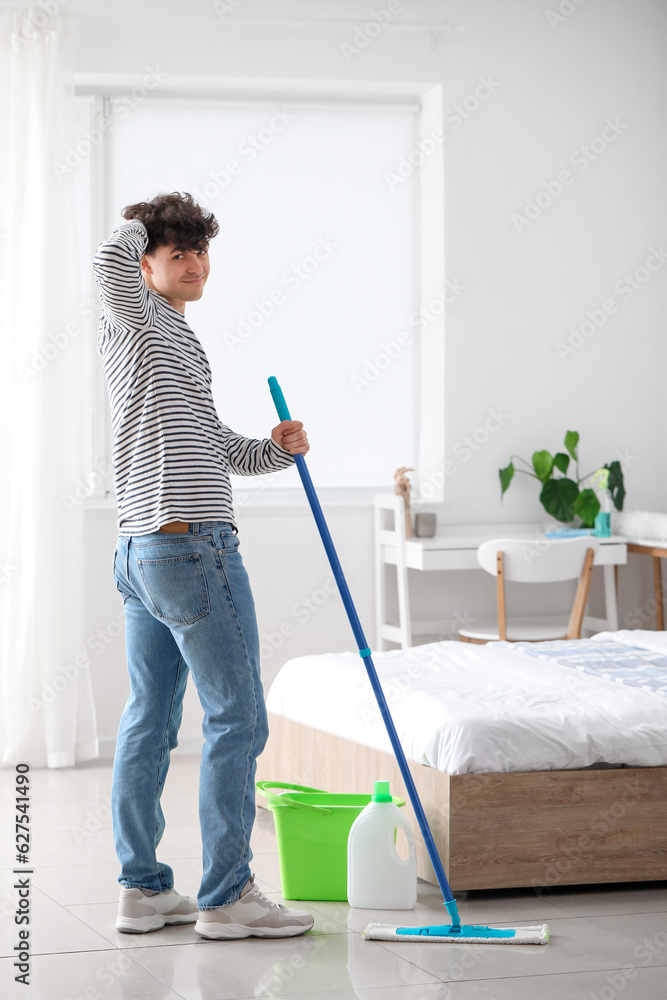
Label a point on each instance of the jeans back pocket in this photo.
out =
(176, 586)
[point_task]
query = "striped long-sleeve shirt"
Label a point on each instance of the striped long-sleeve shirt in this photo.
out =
(172, 455)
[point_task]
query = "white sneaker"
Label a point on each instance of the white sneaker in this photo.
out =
(138, 914)
(252, 915)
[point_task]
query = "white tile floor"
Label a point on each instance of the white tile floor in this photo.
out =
(607, 942)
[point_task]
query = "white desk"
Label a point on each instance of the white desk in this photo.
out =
(657, 548)
(455, 547)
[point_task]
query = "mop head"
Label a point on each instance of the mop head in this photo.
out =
(465, 934)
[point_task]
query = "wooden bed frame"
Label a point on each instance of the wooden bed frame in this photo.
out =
(492, 831)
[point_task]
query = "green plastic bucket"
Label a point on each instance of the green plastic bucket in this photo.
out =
(312, 827)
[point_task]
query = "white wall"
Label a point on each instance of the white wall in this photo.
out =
(553, 89)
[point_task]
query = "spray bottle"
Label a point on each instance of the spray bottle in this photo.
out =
(603, 518)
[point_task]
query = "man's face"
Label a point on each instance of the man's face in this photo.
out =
(178, 275)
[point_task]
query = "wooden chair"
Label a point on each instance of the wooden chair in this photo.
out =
(522, 561)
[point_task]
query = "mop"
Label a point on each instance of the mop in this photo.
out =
(455, 932)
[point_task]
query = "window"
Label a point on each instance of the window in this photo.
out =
(313, 275)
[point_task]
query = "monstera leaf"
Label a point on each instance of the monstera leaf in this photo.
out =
(561, 462)
(543, 463)
(616, 485)
(505, 477)
(571, 442)
(587, 507)
(558, 497)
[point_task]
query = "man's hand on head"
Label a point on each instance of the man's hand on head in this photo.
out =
(291, 436)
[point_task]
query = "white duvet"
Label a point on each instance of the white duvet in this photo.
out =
(464, 708)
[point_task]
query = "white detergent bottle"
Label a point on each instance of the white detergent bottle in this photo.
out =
(377, 877)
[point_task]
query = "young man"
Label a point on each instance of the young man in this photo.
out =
(187, 601)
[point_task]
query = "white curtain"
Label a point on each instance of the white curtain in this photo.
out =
(47, 717)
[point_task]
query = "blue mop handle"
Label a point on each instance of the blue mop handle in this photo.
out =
(365, 653)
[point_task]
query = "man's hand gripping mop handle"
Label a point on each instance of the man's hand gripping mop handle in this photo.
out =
(365, 653)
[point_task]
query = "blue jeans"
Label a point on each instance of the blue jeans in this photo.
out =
(188, 606)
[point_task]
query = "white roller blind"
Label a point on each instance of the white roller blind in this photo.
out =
(312, 275)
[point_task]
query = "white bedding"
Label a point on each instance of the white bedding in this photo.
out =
(464, 708)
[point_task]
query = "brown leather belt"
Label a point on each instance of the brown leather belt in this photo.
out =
(176, 527)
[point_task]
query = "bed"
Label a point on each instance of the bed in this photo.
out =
(538, 764)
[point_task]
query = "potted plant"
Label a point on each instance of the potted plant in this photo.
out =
(564, 497)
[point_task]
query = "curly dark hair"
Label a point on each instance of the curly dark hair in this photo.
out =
(174, 220)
